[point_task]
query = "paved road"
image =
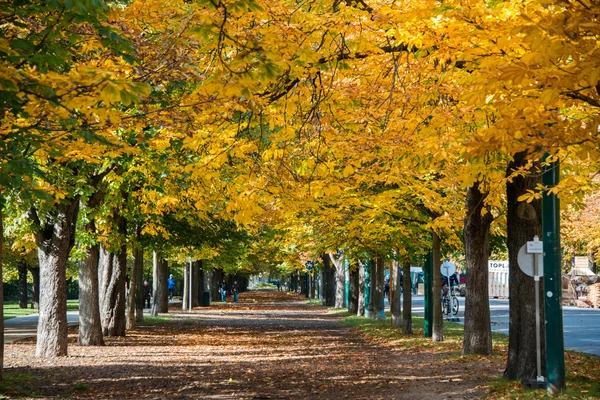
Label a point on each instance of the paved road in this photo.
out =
(581, 325)
(24, 327)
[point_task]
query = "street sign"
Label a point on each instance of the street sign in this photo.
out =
(527, 262)
(535, 247)
(310, 265)
(448, 269)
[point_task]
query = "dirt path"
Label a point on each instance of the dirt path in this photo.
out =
(268, 346)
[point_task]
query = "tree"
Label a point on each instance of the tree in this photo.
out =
(524, 221)
(478, 331)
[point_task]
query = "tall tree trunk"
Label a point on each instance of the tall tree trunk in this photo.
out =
(438, 323)
(35, 291)
(329, 281)
(138, 266)
(395, 295)
(160, 292)
(135, 285)
(23, 295)
(215, 278)
(196, 292)
(90, 325)
(523, 222)
(478, 331)
(113, 297)
(407, 299)
(377, 287)
(54, 239)
(353, 297)
(186, 289)
(340, 280)
(361, 290)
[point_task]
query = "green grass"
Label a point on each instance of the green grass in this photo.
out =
(12, 310)
(17, 384)
(583, 379)
(314, 302)
(81, 387)
(161, 319)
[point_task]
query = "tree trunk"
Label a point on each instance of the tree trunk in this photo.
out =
(54, 240)
(340, 280)
(138, 266)
(438, 323)
(113, 297)
(478, 331)
(186, 289)
(523, 222)
(377, 287)
(35, 287)
(90, 326)
(215, 279)
(407, 300)
(361, 290)
(160, 292)
(196, 292)
(134, 287)
(23, 295)
(395, 295)
(354, 292)
(329, 284)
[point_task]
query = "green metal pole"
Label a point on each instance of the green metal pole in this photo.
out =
(367, 283)
(347, 282)
(555, 347)
(428, 303)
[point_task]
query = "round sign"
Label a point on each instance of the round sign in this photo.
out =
(310, 265)
(448, 268)
(525, 260)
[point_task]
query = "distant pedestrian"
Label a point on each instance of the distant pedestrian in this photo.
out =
(235, 290)
(386, 289)
(223, 290)
(171, 286)
(146, 290)
(278, 286)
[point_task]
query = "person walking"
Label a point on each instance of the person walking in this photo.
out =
(278, 286)
(223, 290)
(235, 290)
(171, 286)
(146, 290)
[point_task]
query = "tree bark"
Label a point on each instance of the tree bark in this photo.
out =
(478, 331)
(23, 295)
(135, 286)
(524, 221)
(160, 292)
(377, 287)
(407, 300)
(35, 287)
(186, 282)
(329, 281)
(113, 298)
(340, 280)
(196, 292)
(361, 290)
(438, 323)
(353, 296)
(90, 326)
(396, 295)
(54, 240)
(138, 266)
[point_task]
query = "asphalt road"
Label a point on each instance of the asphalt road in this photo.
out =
(24, 327)
(580, 325)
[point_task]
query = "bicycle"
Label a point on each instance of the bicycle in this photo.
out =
(449, 301)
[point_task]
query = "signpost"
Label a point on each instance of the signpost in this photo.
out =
(448, 269)
(428, 303)
(530, 260)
